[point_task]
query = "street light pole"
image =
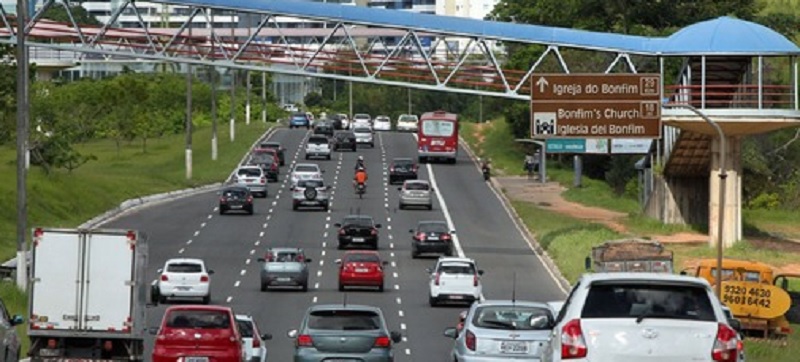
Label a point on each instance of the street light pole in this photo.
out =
(722, 177)
(22, 145)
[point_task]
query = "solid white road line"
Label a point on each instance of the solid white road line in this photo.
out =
(445, 211)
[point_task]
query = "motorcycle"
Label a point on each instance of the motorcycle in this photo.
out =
(486, 172)
(360, 190)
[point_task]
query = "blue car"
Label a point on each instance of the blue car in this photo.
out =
(299, 120)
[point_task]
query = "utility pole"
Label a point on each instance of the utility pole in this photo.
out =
(22, 145)
(247, 97)
(264, 97)
(213, 79)
(189, 115)
(233, 79)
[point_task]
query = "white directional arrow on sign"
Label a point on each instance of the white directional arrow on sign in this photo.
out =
(542, 83)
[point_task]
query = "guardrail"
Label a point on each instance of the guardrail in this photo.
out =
(739, 96)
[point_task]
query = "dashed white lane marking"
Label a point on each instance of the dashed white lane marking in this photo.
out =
(189, 242)
(314, 300)
(202, 225)
(216, 209)
(399, 301)
(269, 217)
(394, 265)
(391, 245)
(243, 272)
(321, 262)
(257, 242)
(197, 233)
(236, 285)
(264, 226)
(391, 254)
(319, 273)
(327, 225)
(400, 313)
(396, 287)
(180, 251)
(247, 262)
(394, 274)
(323, 244)
(388, 219)
(323, 253)
(403, 326)
(210, 216)
(316, 286)
(325, 235)
(327, 218)
(408, 351)
(391, 237)
(388, 227)
(252, 251)
(261, 234)
(229, 299)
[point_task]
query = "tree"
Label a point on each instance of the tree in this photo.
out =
(8, 91)
(58, 13)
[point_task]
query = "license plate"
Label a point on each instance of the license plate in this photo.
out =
(358, 240)
(183, 288)
(49, 352)
(361, 270)
(284, 279)
(513, 347)
(456, 297)
(433, 238)
(437, 142)
(195, 359)
(236, 206)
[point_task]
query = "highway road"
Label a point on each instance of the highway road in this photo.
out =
(230, 245)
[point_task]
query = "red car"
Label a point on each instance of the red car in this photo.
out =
(268, 160)
(198, 333)
(361, 269)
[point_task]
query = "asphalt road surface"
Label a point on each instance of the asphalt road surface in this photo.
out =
(230, 245)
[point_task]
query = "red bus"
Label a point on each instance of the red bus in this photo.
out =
(437, 136)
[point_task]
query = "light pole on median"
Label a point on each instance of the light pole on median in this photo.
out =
(23, 126)
(722, 177)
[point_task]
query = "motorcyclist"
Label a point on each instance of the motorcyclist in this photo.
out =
(485, 168)
(360, 177)
(360, 163)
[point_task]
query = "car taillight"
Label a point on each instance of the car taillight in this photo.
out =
(391, 169)
(436, 281)
(374, 232)
(475, 280)
(383, 342)
(300, 258)
(572, 343)
(263, 180)
(445, 236)
(305, 340)
(470, 340)
(341, 231)
(726, 345)
(270, 257)
(164, 278)
(274, 167)
(204, 279)
(250, 199)
(256, 342)
(223, 200)
(421, 236)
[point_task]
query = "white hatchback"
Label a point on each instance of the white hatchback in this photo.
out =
(253, 341)
(364, 136)
(455, 279)
(305, 171)
(407, 123)
(382, 123)
(184, 278)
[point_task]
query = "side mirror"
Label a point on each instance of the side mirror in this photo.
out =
(160, 270)
(396, 337)
(338, 225)
(411, 231)
(399, 189)
(210, 272)
(152, 330)
(307, 260)
(385, 262)
(480, 272)
(429, 270)
(261, 260)
(266, 336)
(451, 333)
(377, 226)
(292, 333)
(16, 320)
(587, 263)
(338, 261)
(452, 232)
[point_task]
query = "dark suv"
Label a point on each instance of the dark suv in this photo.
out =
(344, 140)
(402, 169)
(267, 162)
(358, 230)
(235, 198)
(324, 128)
(278, 149)
(431, 237)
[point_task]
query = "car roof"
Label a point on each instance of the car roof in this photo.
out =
(431, 222)
(285, 249)
(244, 317)
(218, 308)
(404, 159)
(185, 260)
(417, 182)
(440, 115)
(626, 276)
(320, 307)
(306, 164)
(368, 252)
(509, 302)
(249, 167)
(455, 259)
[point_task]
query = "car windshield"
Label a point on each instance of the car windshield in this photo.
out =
(361, 116)
(417, 186)
(362, 130)
(299, 118)
(344, 320)
(512, 317)
(437, 128)
(358, 221)
(305, 168)
(288, 256)
(270, 145)
(262, 158)
(234, 193)
(403, 163)
(184, 268)
(344, 135)
(648, 300)
(310, 183)
(361, 258)
(250, 172)
(408, 119)
(245, 328)
(457, 268)
(318, 140)
(209, 319)
(433, 227)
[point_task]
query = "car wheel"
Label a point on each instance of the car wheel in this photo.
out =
(328, 158)
(341, 287)
(355, 148)
(250, 211)
(221, 211)
(306, 157)
(414, 253)
(432, 301)
(340, 246)
(162, 299)
(401, 206)
(294, 207)
(207, 299)
(325, 207)
(430, 207)
(371, 145)
(305, 286)
(264, 287)
(380, 288)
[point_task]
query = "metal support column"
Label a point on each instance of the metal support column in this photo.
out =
(248, 88)
(214, 138)
(233, 104)
(22, 145)
(188, 120)
(264, 97)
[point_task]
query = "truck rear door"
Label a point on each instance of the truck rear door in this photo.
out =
(109, 278)
(55, 272)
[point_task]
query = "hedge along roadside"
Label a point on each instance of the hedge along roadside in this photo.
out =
(540, 252)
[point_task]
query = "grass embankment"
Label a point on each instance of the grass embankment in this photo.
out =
(64, 199)
(569, 240)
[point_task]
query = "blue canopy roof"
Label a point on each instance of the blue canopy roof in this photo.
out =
(720, 36)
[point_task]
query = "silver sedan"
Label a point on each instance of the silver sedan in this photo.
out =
(286, 267)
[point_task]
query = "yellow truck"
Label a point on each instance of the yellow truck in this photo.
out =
(759, 298)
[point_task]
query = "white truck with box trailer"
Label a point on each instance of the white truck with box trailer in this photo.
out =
(87, 295)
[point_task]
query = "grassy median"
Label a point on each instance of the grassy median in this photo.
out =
(64, 199)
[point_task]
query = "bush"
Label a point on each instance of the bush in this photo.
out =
(765, 201)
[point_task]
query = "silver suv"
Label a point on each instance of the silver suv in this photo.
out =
(318, 146)
(310, 193)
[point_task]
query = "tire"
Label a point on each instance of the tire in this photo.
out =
(264, 287)
(401, 206)
(250, 211)
(294, 207)
(162, 299)
(306, 157)
(414, 253)
(355, 148)
(340, 246)
(430, 207)
(341, 287)
(380, 288)
(207, 299)
(305, 286)
(432, 301)
(422, 159)
(328, 157)
(325, 207)
(221, 211)
(372, 145)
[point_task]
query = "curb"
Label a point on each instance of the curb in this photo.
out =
(138, 203)
(537, 249)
